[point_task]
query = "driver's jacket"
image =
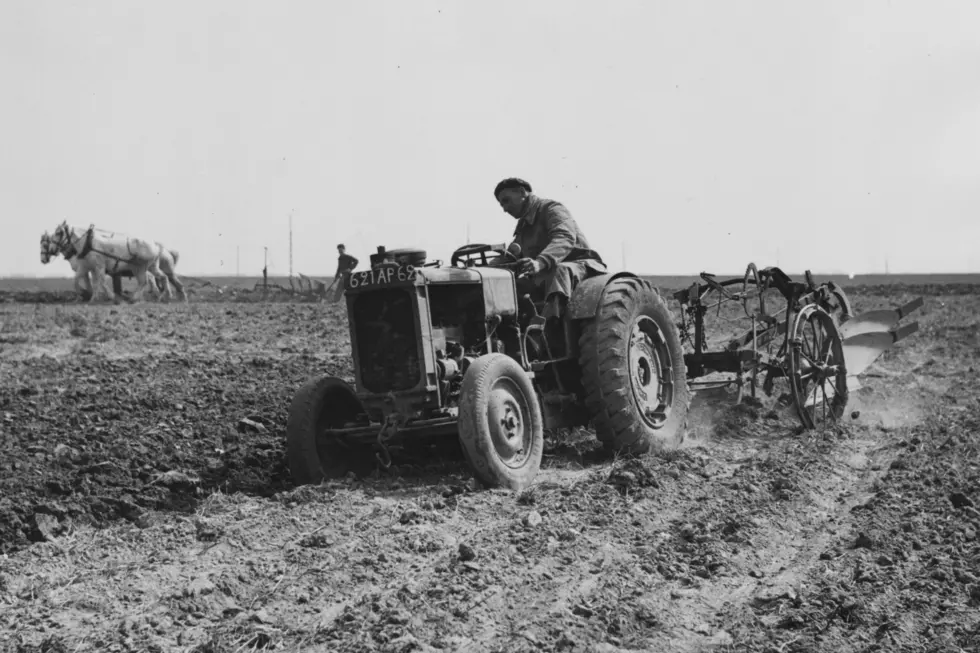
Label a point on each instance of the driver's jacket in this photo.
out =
(547, 232)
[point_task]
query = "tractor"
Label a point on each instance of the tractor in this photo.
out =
(457, 351)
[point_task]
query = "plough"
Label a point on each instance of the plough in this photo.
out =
(812, 340)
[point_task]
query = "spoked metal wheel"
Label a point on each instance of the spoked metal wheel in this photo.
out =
(818, 376)
(730, 305)
(753, 293)
(651, 380)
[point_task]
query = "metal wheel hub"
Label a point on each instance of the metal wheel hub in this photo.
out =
(647, 355)
(811, 370)
(508, 424)
(823, 372)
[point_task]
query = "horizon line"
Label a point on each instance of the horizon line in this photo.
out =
(642, 274)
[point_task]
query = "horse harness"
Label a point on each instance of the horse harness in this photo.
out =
(70, 250)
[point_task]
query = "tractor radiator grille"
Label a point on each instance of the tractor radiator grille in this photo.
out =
(387, 341)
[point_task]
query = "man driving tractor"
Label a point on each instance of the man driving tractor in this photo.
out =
(554, 252)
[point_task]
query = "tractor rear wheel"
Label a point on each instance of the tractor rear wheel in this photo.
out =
(633, 370)
(501, 430)
(318, 405)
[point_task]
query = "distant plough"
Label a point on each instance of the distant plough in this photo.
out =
(300, 289)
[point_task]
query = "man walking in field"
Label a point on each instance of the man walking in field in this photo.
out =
(345, 265)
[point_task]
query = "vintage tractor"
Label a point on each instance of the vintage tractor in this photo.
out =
(457, 351)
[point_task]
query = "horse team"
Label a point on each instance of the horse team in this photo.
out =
(96, 254)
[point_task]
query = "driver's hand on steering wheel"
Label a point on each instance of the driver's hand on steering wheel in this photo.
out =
(527, 266)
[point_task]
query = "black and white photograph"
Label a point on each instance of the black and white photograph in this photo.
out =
(450, 327)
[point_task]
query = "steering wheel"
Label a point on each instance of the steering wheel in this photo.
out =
(470, 255)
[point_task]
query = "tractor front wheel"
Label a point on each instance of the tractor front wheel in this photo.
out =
(633, 370)
(320, 404)
(500, 425)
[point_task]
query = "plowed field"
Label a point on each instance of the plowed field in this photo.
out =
(145, 506)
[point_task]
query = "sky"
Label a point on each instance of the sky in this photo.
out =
(684, 136)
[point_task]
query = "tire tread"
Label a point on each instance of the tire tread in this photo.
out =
(603, 344)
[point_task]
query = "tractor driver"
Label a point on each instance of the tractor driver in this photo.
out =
(554, 251)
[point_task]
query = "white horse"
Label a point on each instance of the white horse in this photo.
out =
(50, 250)
(158, 285)
(168, 261)
(83, 284)
(100, 253)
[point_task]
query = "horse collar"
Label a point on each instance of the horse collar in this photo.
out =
(87, 247)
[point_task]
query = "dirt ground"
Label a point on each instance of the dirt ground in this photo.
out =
(145, 506)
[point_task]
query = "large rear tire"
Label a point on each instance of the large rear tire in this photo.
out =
(501, 430)
(318, 405)
(633, 370)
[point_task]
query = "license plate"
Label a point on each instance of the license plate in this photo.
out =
(382, 276)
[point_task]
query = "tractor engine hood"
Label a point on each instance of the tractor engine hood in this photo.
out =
(499, 288)
(407, 268)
